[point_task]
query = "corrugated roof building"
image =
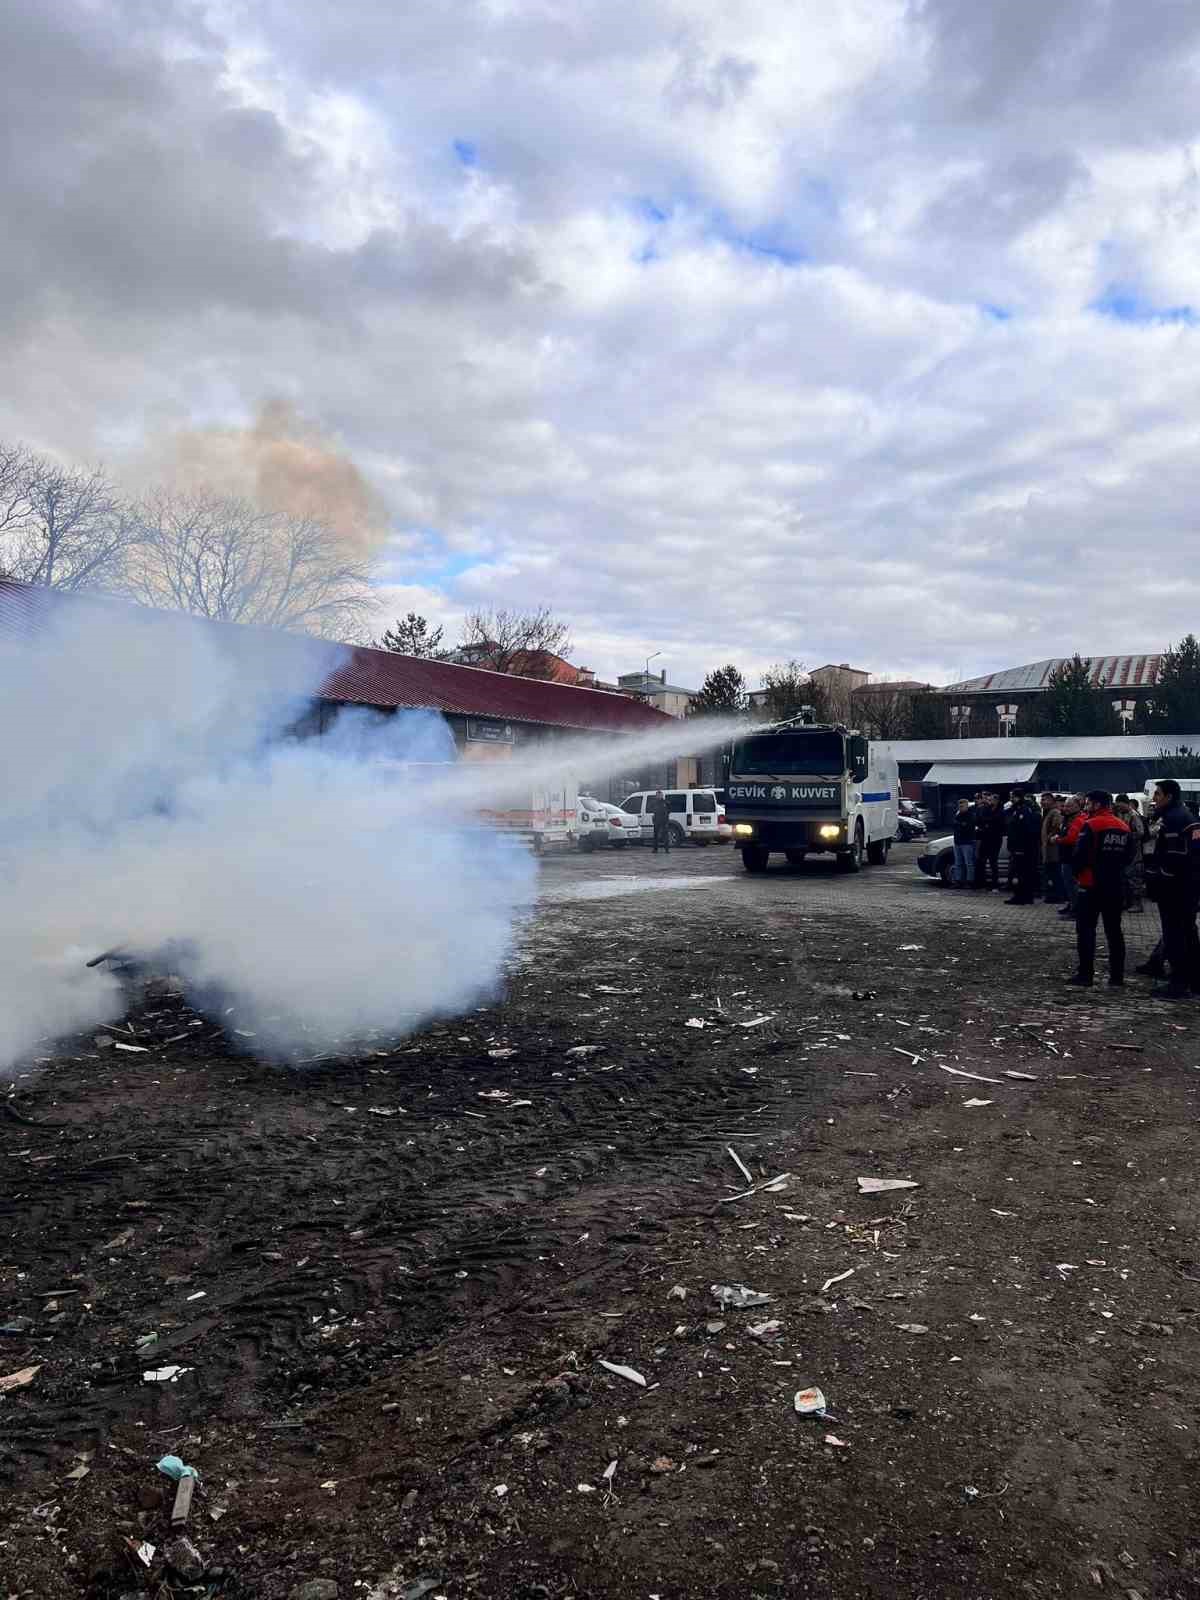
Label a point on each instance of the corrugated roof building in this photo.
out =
(1125, 673)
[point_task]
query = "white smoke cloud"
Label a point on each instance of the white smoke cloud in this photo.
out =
(151, 804)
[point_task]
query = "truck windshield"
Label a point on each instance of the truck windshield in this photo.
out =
(788, 754)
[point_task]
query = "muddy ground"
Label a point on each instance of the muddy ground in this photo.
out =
(391, 1281)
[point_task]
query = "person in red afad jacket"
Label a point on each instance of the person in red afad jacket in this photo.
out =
(1103, 851)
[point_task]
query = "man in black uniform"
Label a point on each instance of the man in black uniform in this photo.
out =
(1173, 882)
(661, 814)
(1024, 848)
(989, 835)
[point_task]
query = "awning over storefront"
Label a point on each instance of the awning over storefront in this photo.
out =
(980, 774)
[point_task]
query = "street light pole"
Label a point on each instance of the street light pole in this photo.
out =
(646, 674)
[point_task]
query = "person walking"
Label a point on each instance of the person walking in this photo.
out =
(1024, 843)
(1173, 881)
(964, 846)
(1073, 821)
(661, 816)
(1052, 823)
(989, 835)
(1102, 855)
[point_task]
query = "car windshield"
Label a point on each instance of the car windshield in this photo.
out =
(801, 753)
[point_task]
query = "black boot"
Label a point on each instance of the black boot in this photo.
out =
(1079, 982)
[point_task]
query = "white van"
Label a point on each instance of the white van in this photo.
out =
(697, 817)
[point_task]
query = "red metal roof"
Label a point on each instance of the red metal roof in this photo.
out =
(381, 678)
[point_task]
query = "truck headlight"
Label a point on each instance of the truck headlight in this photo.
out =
(830, 830)
(743, 828)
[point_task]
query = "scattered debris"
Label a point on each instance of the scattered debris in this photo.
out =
(133, 1049)
(912, 1327)
(79, 1474)
(185, 1559)
(810, 1402)
(832, 1438)
(764, 1330)
(500, 1491)
(970, 1103)
(662, 1464)
(1024, 1077)
(756, 1022)
(17, 1326)
(695, 1022)
(976, 1077)
(585, 1488)
(910, 947)
(502, 1055)
(585, 1049)
(382, 1111)
(18, 1380)
(623, 1372)
(840, 1278)
(164, 1374)
(143, 1550)
(770, 1185)
(418, 1589)
(738, 1296)
(678, 1293)
(884, 1185)
(739, 1163)
(173, 1467)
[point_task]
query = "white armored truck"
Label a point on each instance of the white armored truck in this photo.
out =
(797, 788)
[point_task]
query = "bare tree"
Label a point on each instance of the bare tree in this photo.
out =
(60, 527)
(789, 692)
(20, 472)
(883, 710)
(219, 556)
(530, 644)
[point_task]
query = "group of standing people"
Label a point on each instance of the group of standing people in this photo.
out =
(1098, 858)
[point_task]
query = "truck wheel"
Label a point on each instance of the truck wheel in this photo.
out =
(755, 858)
(676, 835)
(795, 857)
(877, 852)
(851, 860)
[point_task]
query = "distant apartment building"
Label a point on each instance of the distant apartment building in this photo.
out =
(657, 692)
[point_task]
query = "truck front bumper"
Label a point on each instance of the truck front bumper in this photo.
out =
(791, 833)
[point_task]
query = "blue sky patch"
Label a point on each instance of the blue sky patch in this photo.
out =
(996, 313)
(1127, 305)
(467, 153)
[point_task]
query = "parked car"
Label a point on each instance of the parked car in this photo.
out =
(908, 828)
(597, 823)
(696, 816)
(937, 859)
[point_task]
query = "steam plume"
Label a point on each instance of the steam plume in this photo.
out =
(146, 805)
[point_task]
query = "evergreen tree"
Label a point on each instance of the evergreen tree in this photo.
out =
(1174, 706)
(722, 694)
(1072, 704)
(413, 636)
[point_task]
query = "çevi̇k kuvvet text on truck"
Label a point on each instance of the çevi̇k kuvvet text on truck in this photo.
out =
(797, 788)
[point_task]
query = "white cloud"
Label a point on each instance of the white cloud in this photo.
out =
(742, 331)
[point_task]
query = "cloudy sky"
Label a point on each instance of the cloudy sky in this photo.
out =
(731, 329)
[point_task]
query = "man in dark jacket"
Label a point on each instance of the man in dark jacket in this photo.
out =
(661, 815)
(1103, 852)
(964, 846)
(989, 836)
(1173, 882)
(1024, 848)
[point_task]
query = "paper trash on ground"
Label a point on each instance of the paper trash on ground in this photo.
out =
(810, 1402)
(18, 1380)
(841, 1277)
(738, 1296)
(884, 1185)
(624, 1372)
